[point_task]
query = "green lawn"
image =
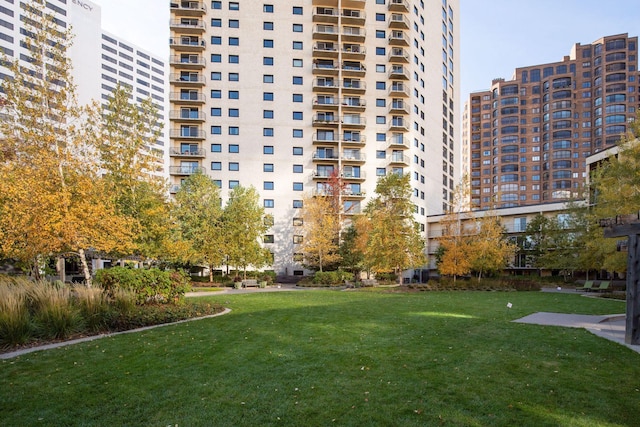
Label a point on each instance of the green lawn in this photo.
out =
(321, 358)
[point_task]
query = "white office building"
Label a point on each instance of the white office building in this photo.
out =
(281, 95)
(100, 60)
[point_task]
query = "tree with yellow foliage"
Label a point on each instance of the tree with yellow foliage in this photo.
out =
(321, 226)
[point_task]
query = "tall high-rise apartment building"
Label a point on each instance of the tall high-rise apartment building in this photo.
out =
(526, 140)
(283, 95)
(100, 60)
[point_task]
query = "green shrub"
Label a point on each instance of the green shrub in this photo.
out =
(151, 285)
(330, 278)
(389, 277)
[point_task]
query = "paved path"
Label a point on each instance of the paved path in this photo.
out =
(611, 327)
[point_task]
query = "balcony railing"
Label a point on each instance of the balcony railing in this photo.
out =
(398, 21)
(187, 24)
(187, 133)
(187, 43)
(196, 79)
(188, 6)
(197, 97)
(190, 152)
(398, 5)
(190, 60)
(185, 170)
(196, 116)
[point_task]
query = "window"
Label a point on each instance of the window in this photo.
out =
(234, 23)
(297, 10)
(216, 22)
(267, 149)
(267, 114)
(381, 154)
(381, 102)
(216, 166)
(297, 97)
(234, 112)
(297, 168)
(267, 26)
(297, 239)
(297, 28)
(216, 112)
(267, 185)
(298, 186)
(216, 5)
(297, 80)
(216, 57)
(380, 34)
(380, 17)
(267, 78)
(267, 60)
(267, 132)
(297, 115)
(234, 5)
(234, 166)
(381, 52)
(268, 238)
(297, 63)
(381, 85)
(216, 75)
(268, 43)
(297, 133)
(216, 40)
(234, 130)
(267, 8)
(297, 151)
(234, 41)
(234, 77)
(298, 222)
(381, 171)
(380, 68)
(234, 59)
(268, 203)
(297, 204)
(216, 148)
(381, 136)
(234, 94)
(267, 167)
(381, 120)
(216, 130)
(215, 94)
(297, 45)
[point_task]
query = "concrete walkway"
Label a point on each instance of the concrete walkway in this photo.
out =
(611, 327)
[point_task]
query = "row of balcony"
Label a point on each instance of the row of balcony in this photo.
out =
(397, 89)
(187, 25)
(397, 141)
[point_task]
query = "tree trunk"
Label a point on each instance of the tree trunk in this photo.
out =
(85, 268)
(210, 273)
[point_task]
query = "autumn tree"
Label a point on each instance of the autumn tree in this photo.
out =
(199, 212)
(454, 251)
(393, 241)
(52, 200)
(320, 244)
(489, 249)
(244, 227)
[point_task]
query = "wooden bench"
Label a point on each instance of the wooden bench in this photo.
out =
(249, 282)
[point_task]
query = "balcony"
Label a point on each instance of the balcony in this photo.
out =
(325, 85)
(399, 159)
(324, 138)
(325, 50)
(398, 72)
(325, 67)
(185, 170)
(323, 174)
(325, 15)
(353, 17)
(353, 174)
(353, 86)
(353, 121)
(399, 21)
(354, 103)
(353, 69)
(187, 133)
(325, 32)
(398, 6)
(398, 141)
(354, 4)
(187, 115)
(398, 38)
(399, 107)
(187, 79)
(187, 26)
(399, 90)
(353, 139)
(188, 8)
(174, 188)
(187, 61)
(325, 102)
(320, 156)
(187, 97)
(325, 120)
(189, 152)
(187, 44)
(398, 55)
(353, 34)
(353, 51)
(353, 157)
(399, 124)
(350, 193)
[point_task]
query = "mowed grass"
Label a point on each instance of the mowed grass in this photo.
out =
(319, 358)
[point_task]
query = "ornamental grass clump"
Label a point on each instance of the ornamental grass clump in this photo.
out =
(54, 314)
(16, 327)
(94, 307)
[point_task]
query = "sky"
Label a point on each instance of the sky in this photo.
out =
(496, 36)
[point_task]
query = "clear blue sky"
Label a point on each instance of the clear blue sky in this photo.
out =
(496, 36)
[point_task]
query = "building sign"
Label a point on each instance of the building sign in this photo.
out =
(84, 5)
